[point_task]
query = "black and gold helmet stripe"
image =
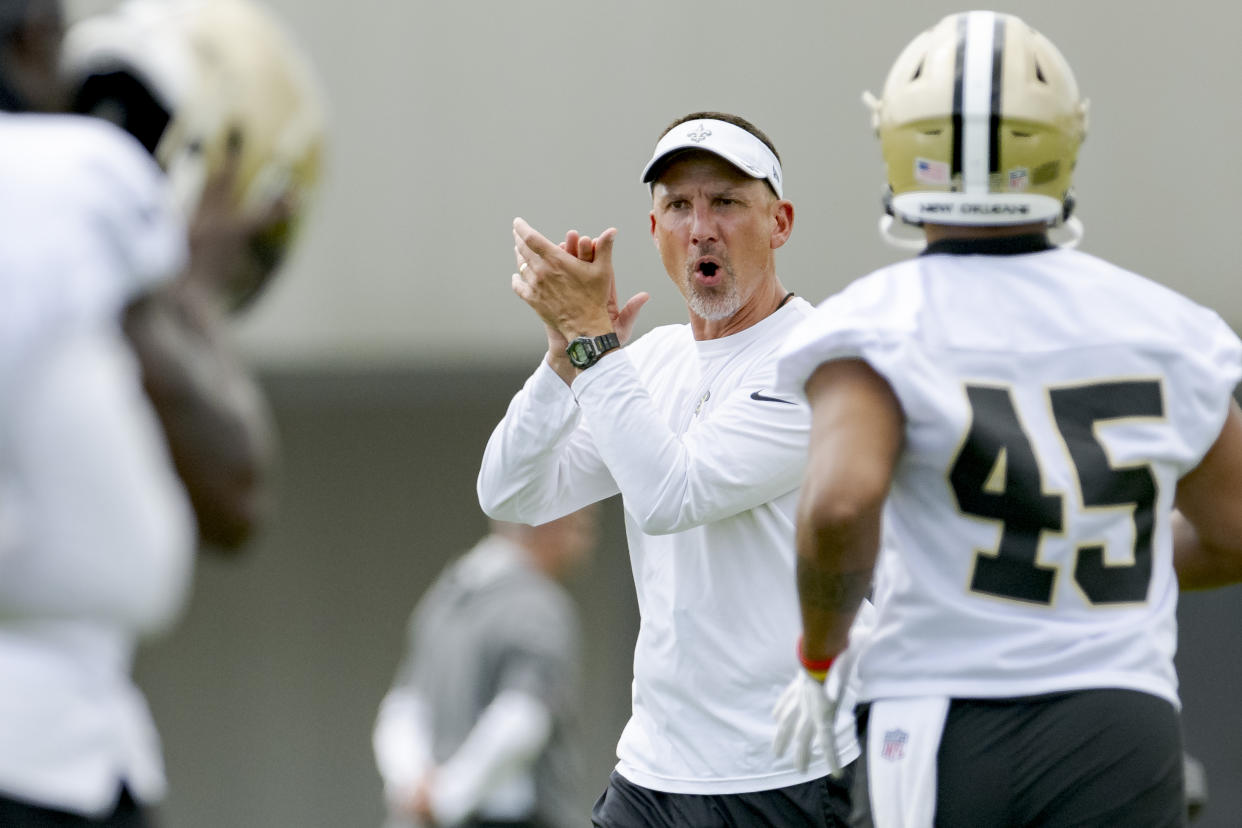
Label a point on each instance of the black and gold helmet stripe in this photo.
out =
(977, 98)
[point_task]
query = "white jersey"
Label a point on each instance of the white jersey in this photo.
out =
(1052, 401)
(96, 533)
(708, 462)
(94, 226)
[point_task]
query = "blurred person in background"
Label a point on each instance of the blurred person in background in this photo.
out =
(99, 505)
(479, 728)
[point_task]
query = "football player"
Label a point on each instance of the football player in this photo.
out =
(1024, 418)
(97, 534)
(228, 105)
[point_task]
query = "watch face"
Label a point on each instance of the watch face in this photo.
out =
(580, 351)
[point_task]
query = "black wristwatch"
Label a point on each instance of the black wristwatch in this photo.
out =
(585, 351)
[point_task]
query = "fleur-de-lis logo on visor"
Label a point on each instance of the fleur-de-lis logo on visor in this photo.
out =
(700, 135)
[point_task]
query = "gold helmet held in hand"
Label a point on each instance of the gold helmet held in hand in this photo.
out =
(192, 78)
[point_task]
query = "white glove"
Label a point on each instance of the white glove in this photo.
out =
(807, 709)
(804, 713)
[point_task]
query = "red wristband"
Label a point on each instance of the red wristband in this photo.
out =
(818, 668)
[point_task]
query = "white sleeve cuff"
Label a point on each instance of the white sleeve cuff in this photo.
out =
(402, 743)
(547, 387)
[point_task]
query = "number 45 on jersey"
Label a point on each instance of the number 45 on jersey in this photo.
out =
(997, 476)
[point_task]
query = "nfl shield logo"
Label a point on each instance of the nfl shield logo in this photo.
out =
(894, 746)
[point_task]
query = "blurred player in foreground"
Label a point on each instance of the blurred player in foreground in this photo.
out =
(207, 85)
(98, 504)
(1025, 417)
(684, 424)
(479, 726)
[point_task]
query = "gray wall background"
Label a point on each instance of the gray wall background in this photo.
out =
(392, 343)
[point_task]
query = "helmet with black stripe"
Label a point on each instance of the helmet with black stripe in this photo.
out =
(979, 123)
(192, 78)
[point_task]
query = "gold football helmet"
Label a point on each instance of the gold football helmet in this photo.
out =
(979, 123)
(189, 78)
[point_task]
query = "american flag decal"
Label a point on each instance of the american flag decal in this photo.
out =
(931, 172)
(894, 746)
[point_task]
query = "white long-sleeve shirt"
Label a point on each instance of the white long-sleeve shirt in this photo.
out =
(708, 461)
(96, 532)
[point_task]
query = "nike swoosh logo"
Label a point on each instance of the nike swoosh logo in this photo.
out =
(757, 396)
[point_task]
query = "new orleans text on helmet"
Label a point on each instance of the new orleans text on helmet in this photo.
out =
(979, 209)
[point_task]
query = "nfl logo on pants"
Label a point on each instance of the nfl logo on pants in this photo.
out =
(894, 745)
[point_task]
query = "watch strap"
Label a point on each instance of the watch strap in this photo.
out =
(605, 343)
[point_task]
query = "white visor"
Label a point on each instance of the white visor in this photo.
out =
(732, 143)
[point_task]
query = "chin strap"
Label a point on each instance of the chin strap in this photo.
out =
(1067, 234)
(911, 239)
